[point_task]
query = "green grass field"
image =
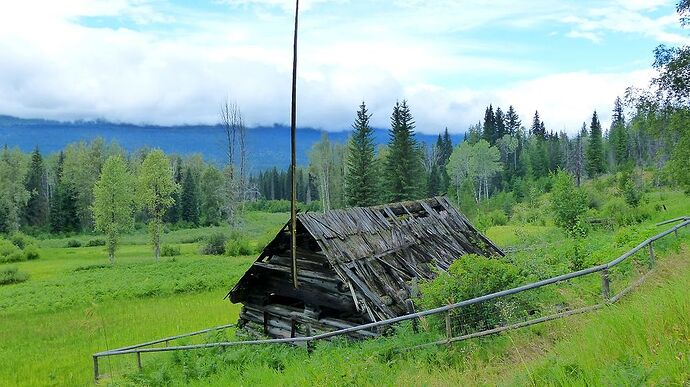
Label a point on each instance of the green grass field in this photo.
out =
(74, 305)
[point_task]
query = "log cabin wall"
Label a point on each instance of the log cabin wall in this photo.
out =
(354, 266)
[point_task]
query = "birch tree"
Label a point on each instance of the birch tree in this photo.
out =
(155, 187)
(113, 204)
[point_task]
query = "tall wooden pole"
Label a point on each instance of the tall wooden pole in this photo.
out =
(293, 164)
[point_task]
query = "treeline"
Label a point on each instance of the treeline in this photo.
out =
(498, 154)
(56, 193)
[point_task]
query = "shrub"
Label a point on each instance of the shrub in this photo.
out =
(215, 244)
(9, 252)
(73, 243)
(629, 187)
(21, 240)
(10, 275)
(624, 215)
(92, 267)
(170, 251)
(469, 277)
(239, 246)
(95, 242)
(31, 253)
(569, 204)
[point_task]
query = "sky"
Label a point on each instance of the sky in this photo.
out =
(176, 61)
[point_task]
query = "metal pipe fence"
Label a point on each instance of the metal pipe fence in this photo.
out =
(449, 312)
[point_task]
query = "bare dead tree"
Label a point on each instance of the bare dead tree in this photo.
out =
(236, 168)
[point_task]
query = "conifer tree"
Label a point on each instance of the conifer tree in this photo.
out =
(489, 128)
(499, 124)
(37, 209)
(618, 137)
(63, 203)
(512, 121)
(595, 150)
(444, 146)
(403, 167)
(361, 180)
(536, 127)
(189, 199)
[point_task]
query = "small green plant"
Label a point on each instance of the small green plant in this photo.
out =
(170, 251)
(215, 244)
(73, 243)
(11, 275)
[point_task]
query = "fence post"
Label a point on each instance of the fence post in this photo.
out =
(95, 369)
(651, 254)
(449, 329)
(139, 360)
(605, 291)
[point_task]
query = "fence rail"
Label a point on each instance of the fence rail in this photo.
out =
(146, 347)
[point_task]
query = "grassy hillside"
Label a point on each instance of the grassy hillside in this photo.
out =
(73, 305)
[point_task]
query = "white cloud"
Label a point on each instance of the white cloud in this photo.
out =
(171, 67)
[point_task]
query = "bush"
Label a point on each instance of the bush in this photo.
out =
(21, 240)
(10, 275)
(630, 187)
(31, 253)
(569, 204)
(170, 251)
(215, 244)
(95, 242)
(238, 246)
(9, 252)
(469, 277)
(624, 215)
(73, 243)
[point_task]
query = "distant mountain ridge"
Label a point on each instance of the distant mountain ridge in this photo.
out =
(267, 146)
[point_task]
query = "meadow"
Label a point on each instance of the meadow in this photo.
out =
(74, 304)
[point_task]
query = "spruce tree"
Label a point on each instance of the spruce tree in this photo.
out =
(361, 180)
(63, 207)
(536, 127)
(595, 150)
(446, 148)
(403, 166)
(36, 213)
(489, 128)
(189, 199)
(512, 121)
(499, 124)
(618, 137)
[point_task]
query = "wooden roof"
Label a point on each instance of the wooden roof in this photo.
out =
(378, 252)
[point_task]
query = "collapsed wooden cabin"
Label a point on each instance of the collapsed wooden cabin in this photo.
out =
(354, 266)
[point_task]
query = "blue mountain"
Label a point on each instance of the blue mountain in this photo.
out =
(267, 146)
